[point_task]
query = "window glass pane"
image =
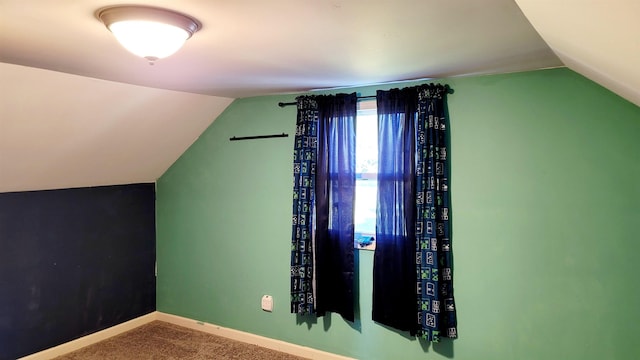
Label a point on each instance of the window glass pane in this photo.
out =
(366, 179)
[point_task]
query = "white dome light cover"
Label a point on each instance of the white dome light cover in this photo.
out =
(149, 32)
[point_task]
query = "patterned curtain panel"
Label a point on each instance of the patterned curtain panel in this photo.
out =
(394, 284)
(335, 195)
(304, 167)
(322, 259)
(437, 311)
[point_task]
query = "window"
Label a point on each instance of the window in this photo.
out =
(366, 176)
(411, 224)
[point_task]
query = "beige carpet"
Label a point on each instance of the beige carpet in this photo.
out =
(161, 340)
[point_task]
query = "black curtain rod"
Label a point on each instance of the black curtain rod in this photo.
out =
(283, 104)
(258, 137)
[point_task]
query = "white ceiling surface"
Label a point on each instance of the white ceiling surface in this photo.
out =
(61, 131)
(58, 129)
(254, 47)
(599, 39)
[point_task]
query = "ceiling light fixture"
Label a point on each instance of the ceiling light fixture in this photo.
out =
(149, 32)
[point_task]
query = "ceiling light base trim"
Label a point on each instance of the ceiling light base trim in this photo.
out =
(149, 32)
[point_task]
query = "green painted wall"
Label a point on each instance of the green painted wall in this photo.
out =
(546, 215)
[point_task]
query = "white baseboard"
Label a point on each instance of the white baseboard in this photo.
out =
(238, 335)
(91, 338)
(249, 338)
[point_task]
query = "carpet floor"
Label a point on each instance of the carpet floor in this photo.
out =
(159, 340)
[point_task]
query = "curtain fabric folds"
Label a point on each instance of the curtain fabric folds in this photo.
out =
(412, 275)
(304, 170)
(335, 195)
(436, 305)
(394, 258)
(322, 265)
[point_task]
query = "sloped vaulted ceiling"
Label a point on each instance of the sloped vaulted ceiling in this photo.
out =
(62, 127)
(78, 110)
(599, 39)
(60, 131)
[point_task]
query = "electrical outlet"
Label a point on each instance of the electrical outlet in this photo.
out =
(267, 303)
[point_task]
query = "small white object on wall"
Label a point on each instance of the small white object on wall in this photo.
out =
(267, 303)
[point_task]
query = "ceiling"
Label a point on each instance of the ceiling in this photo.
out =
(254, 47)
(596, 38)
(76, 109)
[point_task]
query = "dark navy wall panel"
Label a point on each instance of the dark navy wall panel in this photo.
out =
(73, 262)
